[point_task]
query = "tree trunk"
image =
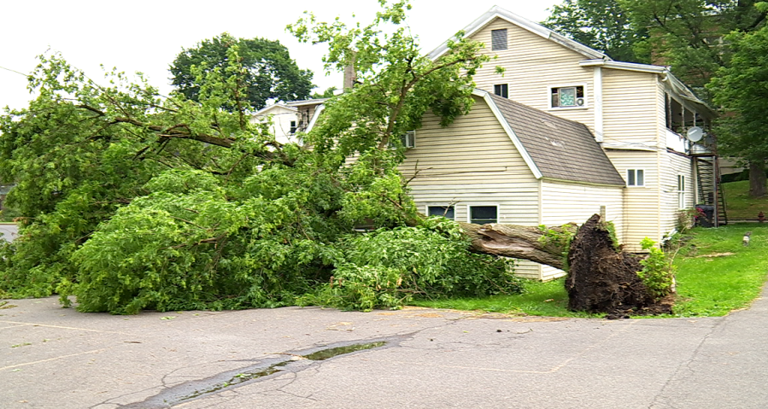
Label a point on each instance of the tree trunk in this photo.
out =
(601, 279)
(757, 179)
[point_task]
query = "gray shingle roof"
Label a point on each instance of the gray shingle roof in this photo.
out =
(560, 148)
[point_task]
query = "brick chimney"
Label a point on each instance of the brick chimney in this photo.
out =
(350, 75)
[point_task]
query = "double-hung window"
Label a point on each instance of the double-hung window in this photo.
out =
(635, 177)
(681, 192)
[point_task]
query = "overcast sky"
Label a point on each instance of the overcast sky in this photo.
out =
(146, 35)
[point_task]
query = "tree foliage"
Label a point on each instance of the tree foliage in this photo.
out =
(602, 25)
(741, 89)
(268, 70)
(688, 34)
(131, 201)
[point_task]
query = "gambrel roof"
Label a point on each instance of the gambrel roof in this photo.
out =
(554, 148)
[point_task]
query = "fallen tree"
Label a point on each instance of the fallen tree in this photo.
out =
(132, 201)
(601, 277)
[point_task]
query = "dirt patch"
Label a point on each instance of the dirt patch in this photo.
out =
(714, 255)
(602, 280)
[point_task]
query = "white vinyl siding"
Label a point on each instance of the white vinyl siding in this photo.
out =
(533, 65)
(563, 203)
(641, 205)
(473, 163)
(673, 167)
(630, 107)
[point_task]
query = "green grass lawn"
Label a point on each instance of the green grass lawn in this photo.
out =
(738, 204)
(715, 275)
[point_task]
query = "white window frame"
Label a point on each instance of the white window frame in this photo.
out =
(408, 139)
(681, 192)
(469, 210)
(585, 97)
(443, 206)
(634, 171)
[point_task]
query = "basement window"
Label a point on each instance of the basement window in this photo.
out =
(499, 39)
(483, 214)
(444, 211)
(635, 177)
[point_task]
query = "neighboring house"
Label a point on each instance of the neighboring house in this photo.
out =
(289, 118)
(638, 113)
(284, 121)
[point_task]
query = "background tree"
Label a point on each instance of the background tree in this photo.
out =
(270, 73)
(688, 34)
(741, 89)
(599, 24)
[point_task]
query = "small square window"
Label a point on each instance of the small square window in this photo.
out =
(635, 177)
(483, 214)
(565, 97)
(501, 90)
(444, 211)
(499, 39)
(408, 139)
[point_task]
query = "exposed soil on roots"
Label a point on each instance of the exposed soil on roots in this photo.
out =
(604, 280)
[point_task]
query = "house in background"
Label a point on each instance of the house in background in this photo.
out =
(284, 121)
(637, 113)
(288, 118)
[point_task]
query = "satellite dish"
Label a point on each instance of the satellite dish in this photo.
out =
(695, 134)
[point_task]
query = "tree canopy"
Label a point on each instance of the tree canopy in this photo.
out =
(741, 89)
(134, 201)
(599, 24)
(268, 72)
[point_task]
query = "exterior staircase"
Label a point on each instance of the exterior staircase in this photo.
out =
(709, 191)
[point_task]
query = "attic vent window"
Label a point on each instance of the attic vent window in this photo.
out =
(568, 97)
(499, 39)
(501, 90)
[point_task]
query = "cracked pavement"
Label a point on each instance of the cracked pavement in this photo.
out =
(51, 357)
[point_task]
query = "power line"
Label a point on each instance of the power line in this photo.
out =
(14, 71)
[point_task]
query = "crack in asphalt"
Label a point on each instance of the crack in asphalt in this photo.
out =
(264, 369)
(660, 399)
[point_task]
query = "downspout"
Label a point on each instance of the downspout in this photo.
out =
(598, 92)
